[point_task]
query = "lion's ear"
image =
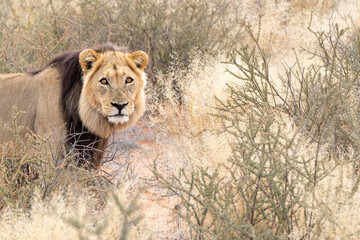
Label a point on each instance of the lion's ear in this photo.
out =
(87, 59)
(140, 59)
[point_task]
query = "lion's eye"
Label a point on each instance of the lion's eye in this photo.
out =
(104, 81)
(129, 80)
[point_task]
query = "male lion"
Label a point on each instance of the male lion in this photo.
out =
(87, 94)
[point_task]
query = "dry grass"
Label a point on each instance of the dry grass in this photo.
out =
(192, 122)
(73, 216)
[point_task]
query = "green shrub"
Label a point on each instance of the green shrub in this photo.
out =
(258, 193)
(269, 188)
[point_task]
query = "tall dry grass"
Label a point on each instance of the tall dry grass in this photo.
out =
(76, 216)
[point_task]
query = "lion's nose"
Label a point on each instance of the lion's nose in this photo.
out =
(119, 106)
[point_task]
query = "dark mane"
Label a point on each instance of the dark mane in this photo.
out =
(65, 57)
(71, 74)
(71, 86)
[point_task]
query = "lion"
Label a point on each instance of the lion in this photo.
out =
(82, 96)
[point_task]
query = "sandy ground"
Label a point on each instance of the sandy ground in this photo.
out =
(137, 150)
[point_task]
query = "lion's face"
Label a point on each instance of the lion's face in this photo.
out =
(115, 87)
(113, 84)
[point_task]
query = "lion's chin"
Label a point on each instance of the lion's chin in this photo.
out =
(118, 119)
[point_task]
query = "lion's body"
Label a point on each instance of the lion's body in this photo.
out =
(82, 96)
(31, 94)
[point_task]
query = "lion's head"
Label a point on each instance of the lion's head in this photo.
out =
(112, 95)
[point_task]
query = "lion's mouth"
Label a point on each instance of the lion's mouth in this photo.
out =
(118, 118)
(118, 115)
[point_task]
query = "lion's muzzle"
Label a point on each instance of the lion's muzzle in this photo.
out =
(119, 114)
(120, 107)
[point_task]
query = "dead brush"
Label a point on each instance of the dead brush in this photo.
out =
(32, 163)
(34, 177)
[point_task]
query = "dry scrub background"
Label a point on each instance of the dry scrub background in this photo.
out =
(190, 44)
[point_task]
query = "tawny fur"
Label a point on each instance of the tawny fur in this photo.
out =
(68, 94)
